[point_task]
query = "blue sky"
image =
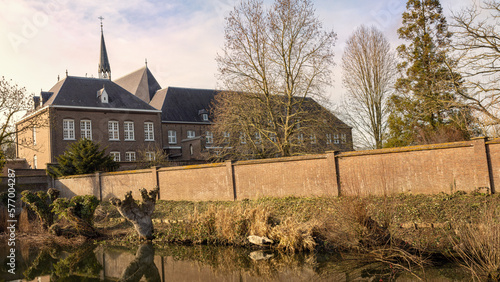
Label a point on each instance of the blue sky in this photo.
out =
(40, 40)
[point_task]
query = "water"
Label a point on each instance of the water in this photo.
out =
(202, 263)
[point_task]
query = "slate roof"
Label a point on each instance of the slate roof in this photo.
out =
(141, 83)
(82, 92)
(183, 104)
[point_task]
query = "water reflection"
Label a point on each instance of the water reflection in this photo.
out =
(204, 263)
(142, 266)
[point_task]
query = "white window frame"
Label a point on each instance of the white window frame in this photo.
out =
(130, 156)
(128, 131)
(113, 130)
(343, 138)
(209, 137)
(204, 117)
(243, 138)
(336, 139)
(227, 136)
(191, 134)
(115, 155)
(35, 162)
(273, 138)
(313, 138)
(300, 137)
(172, 137)
(149, 131)
(150, 156)
(68, 129)
(86, 133)
(328, 138)
(258, 137)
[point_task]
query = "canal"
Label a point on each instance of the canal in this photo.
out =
(148, 262)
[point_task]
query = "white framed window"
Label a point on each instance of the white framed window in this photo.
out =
(313, 138)
(258, 137)
(35, 162)
(336, 139)
(343, 138)
(115, 155)
(130, 156)
(172, 137)
(209, 137)
(300, 137)
(86, 129)
(272, 136)
(149, 134)
(68, 129)
(34, 135)
(191, 134)
(113, 130)
(227, 136)
(204, 117)
(328, 138)
(243, 138)
(128, 131)
(150, 156)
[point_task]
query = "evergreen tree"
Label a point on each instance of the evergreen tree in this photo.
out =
(425, 108)
(82, 157)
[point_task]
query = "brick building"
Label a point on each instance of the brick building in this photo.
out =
(130, 116)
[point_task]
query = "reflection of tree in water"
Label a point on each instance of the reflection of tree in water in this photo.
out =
(142, 265)
(42, 265)
(80, 265)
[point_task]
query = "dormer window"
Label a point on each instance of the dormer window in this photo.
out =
(203, 114)
(103, 95)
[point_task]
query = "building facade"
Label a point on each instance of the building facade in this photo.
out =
(132, 117)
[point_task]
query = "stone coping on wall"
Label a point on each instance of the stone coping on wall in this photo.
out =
(283, 159)
(137, 171)
(198, 166)
(407, 149)
(493, 141)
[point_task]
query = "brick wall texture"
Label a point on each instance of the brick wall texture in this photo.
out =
(427, 169)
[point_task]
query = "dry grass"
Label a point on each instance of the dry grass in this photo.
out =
(293, 236)
(478, 245)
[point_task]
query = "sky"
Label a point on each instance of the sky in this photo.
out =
(41, 40)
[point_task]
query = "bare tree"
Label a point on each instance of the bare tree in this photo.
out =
(273, 61)
(14, 103)
(368, 67)
(477, 40)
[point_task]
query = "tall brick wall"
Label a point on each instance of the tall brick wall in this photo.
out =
(428, 169)
(296, 176)
(197, 183)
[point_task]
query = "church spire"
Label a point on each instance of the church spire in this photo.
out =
(104, 69)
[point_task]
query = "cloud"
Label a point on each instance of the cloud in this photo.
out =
(180, 39)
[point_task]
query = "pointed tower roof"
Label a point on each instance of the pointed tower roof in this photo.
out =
(141, 83)
(104, 69)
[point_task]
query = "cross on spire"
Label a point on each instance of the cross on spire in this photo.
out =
(101, 18)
